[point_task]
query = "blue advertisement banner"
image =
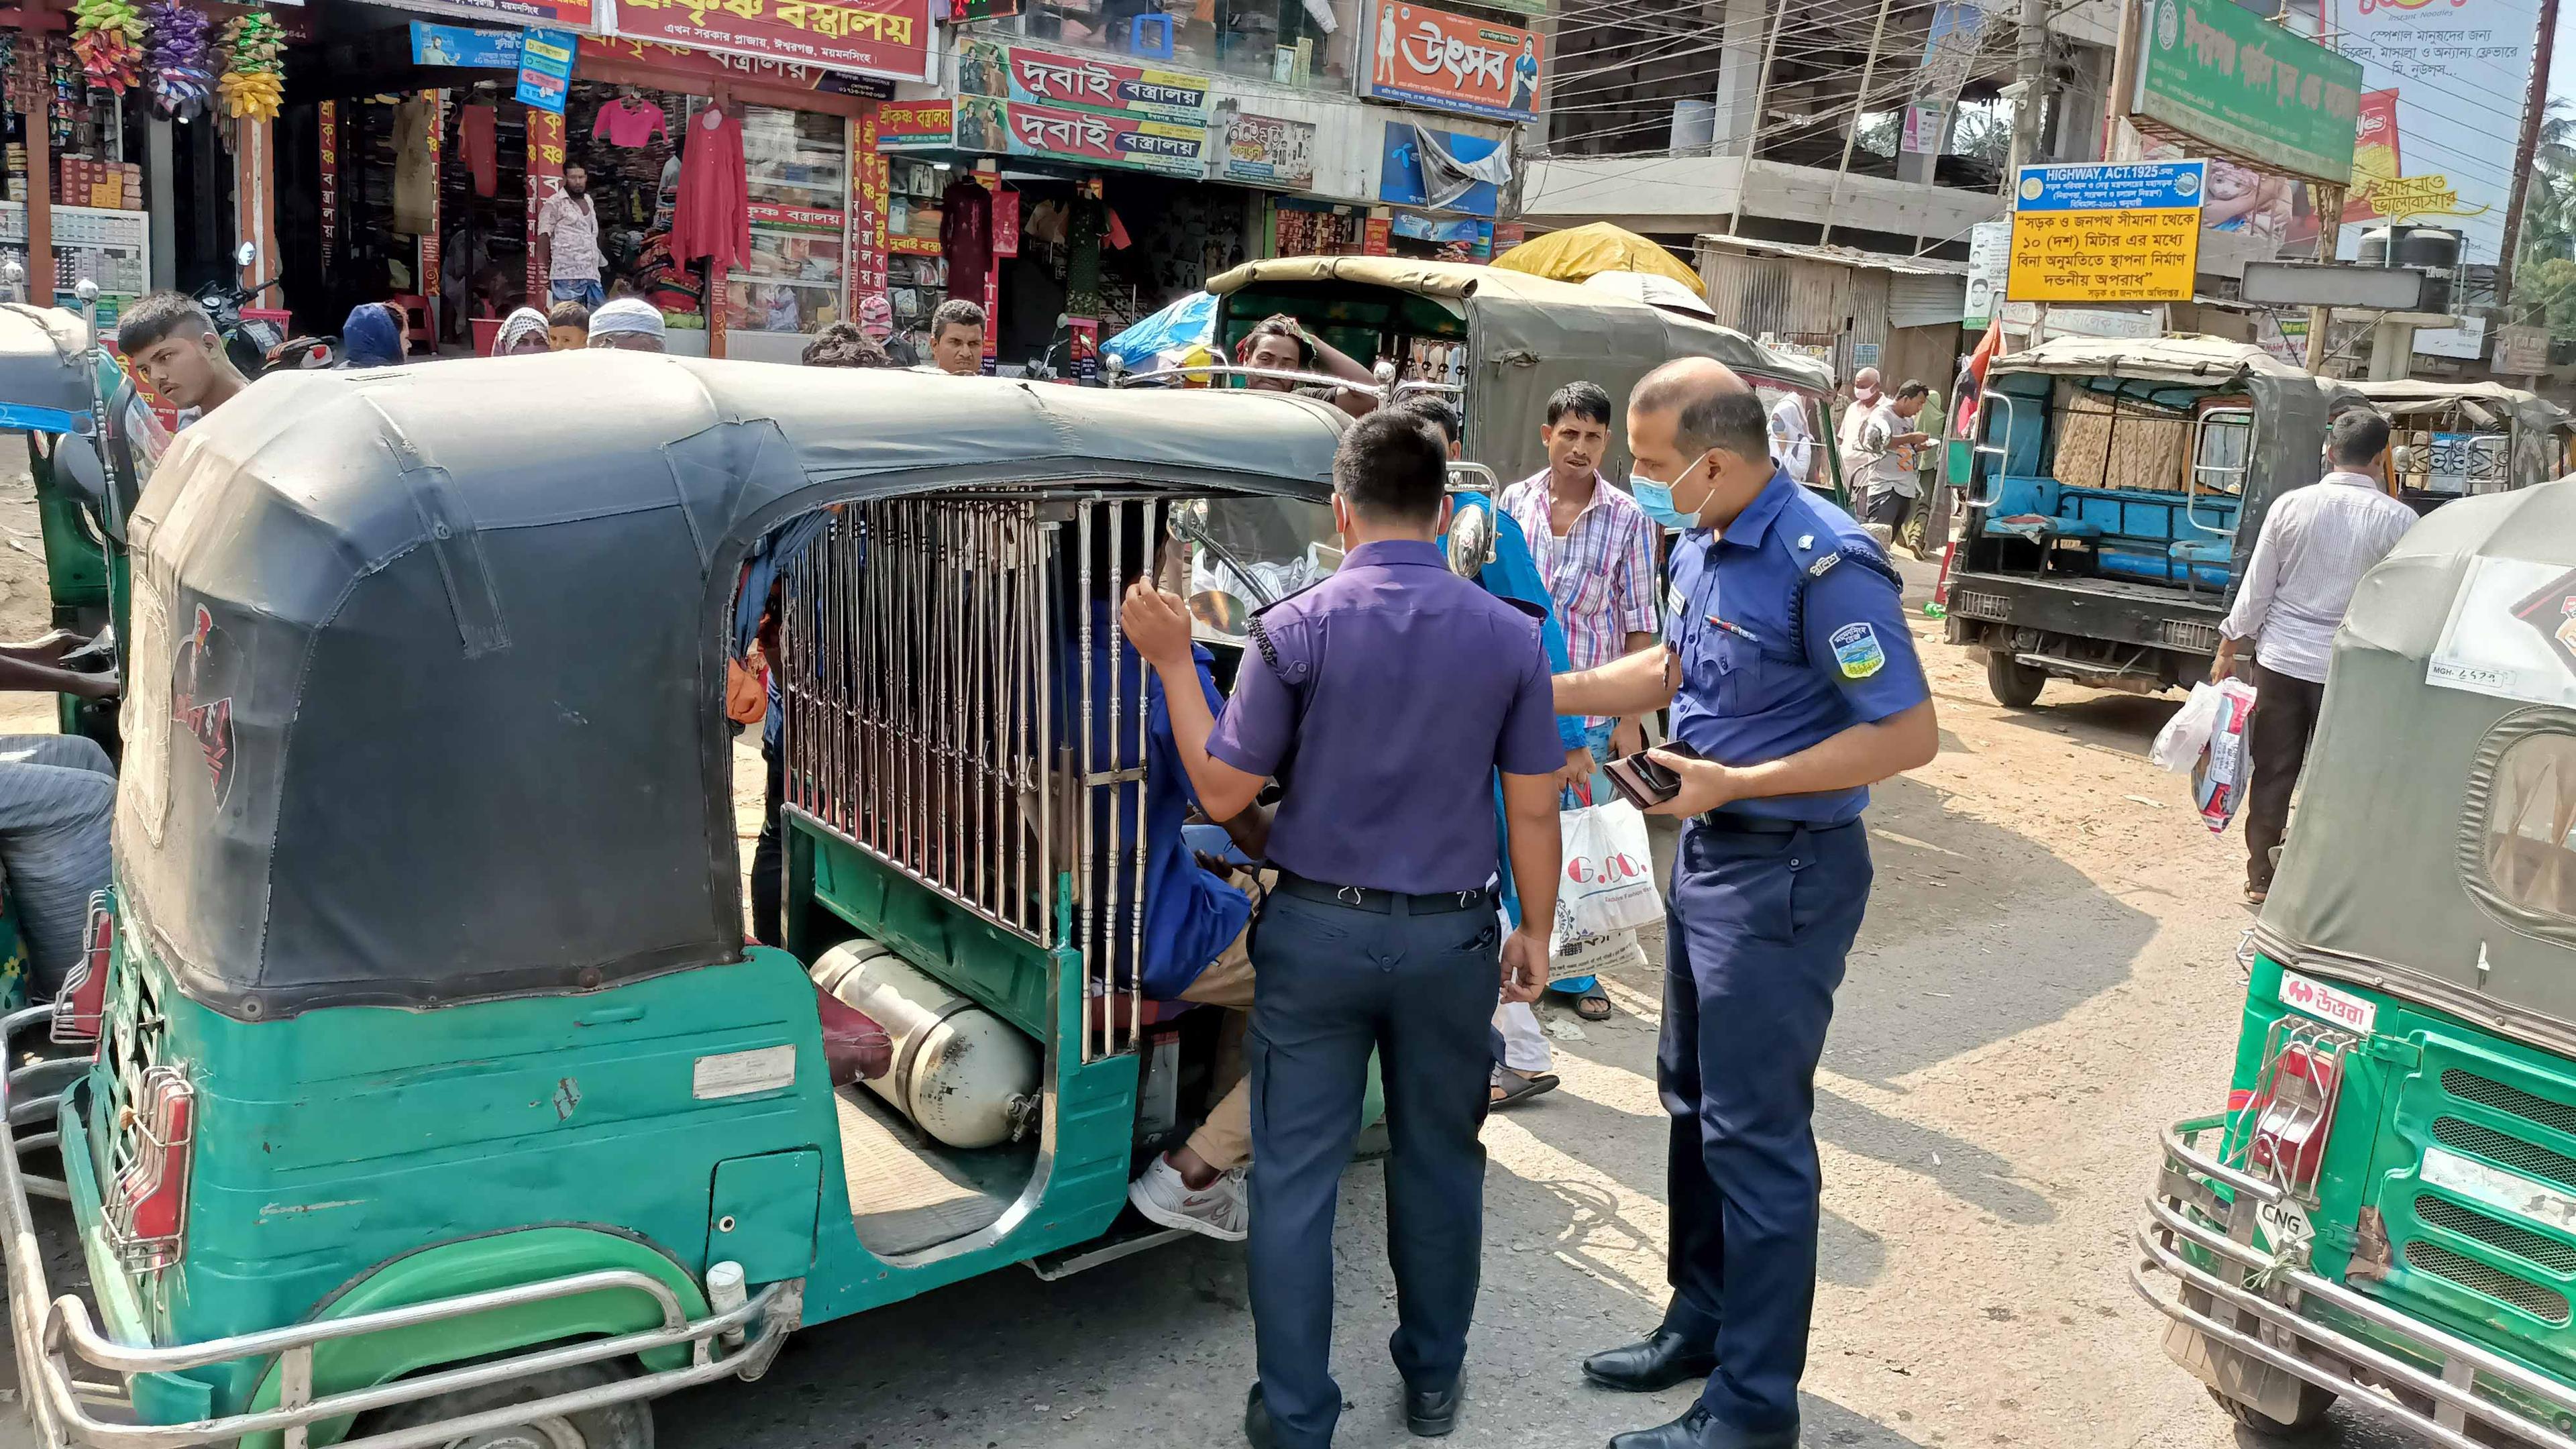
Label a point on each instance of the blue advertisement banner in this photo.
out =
(463, 45)
(545, 68)
(1400, 177)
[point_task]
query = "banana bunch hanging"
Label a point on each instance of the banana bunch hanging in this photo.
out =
(254, 75)
(178, 60)
(108, 37)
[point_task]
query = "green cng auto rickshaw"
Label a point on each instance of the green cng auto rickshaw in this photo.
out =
(2115, 492)
(1502, 341)
(51, 379)
(2386, 1211)
(2458, 439)
(436, 1097)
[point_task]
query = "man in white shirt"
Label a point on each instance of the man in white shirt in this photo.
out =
(2316, 544)
(1889, 475)
(568, 241)
(1791, 443)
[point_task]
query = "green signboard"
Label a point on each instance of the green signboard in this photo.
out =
(2224, 78)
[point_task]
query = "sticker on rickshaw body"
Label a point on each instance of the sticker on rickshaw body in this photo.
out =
(2310, 997)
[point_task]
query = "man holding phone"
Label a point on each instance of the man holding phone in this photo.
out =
(1794, 687)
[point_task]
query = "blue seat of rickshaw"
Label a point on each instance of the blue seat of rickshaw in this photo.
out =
(2204, 551)
(2032, 508)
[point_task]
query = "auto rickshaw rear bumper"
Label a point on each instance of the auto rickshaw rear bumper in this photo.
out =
(2265, 1312)
(61, 1353)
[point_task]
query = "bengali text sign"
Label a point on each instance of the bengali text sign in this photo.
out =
(2096, 234)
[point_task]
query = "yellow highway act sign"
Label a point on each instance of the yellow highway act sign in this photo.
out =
(2106, 233)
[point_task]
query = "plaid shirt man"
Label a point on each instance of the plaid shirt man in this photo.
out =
(1601, 574)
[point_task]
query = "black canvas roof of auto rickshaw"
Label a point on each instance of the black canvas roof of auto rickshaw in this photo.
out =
(44, 362)
(2388, 877)
(425, 689)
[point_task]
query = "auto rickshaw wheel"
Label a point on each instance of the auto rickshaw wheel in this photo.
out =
(2313, 1403)
(2014, 685)
(618, 1426)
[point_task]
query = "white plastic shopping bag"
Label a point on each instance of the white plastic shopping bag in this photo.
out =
(1582, 956)
(1608, 884)
(2179, 744)
(2218, 781)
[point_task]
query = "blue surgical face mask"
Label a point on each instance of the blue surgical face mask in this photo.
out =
(1657, 498)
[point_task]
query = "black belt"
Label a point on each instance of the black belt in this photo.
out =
(1432, 903)
(1734, 823)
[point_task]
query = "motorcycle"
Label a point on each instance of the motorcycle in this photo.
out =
(256, 345)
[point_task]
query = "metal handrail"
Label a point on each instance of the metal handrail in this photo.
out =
(2191, 480)
(1214, 370)
(1478, 479)
(1996, 451)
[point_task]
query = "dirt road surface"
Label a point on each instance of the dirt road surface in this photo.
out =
(2044, 980)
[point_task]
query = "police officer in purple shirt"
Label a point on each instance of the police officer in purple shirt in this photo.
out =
(1383, 700)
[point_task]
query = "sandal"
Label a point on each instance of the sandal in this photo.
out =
(1593, 1005)
(1510, 1087)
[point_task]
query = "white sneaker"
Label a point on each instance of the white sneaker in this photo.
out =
(1222, 1209)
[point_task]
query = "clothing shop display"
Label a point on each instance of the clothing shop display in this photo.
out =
(628, 121)
(966, 237)
(713, 218)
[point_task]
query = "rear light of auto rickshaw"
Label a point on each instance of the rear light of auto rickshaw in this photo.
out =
(147, 1214)
(2292, 1111)
(83, 1002)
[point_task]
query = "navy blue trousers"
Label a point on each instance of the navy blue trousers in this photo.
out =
(1336, 983)
(1759, 929)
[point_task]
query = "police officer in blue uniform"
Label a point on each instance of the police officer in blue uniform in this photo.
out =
(1794, 686)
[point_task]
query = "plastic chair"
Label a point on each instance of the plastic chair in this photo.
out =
(1150, 35)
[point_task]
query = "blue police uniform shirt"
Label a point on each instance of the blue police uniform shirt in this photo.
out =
(1766, 674)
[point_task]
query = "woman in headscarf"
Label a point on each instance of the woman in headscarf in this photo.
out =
(522, 331)
(372, 337)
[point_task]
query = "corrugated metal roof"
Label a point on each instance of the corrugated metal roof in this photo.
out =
(1846, 256)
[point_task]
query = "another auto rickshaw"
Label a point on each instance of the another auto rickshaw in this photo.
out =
(2456, 439)
(436, 1098)
(2115, 494)
(2386, 1211)
(1502, 341)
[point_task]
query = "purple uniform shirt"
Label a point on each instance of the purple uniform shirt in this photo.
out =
(1385, 700)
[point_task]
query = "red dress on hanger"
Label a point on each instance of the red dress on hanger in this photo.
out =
(713, 217)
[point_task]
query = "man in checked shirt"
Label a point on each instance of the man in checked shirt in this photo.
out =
(1596, 549)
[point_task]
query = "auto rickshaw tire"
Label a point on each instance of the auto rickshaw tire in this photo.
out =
(2014, 685)
(618, 1426)
(2313, 1404)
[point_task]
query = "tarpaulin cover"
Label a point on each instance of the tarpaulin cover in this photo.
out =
(426, 679)
(44, 360)
(2383, 873)
(2539, 427)
(1578, 252)
(1527, 336)
(1186, 323)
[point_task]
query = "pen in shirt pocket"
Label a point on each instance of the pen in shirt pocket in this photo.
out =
(1738, 630)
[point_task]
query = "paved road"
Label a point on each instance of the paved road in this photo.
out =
(2044, 979)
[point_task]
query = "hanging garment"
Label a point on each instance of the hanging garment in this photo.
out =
(966, 237)
(474, 141)
(713, 218)
(630, 123)
(415, 178)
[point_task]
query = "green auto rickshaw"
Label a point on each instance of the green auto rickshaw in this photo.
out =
(2386, 1212)
(436, 1097)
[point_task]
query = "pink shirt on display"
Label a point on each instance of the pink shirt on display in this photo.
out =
(629, 123)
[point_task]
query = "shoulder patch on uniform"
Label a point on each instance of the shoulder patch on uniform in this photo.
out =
(1672, 598)
(1857, 651)
(1823, 565)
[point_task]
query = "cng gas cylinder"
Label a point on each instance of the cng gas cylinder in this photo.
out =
(960, 1074)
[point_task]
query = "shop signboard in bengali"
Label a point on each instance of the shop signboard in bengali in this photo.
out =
(1000, 127)
(2218, 77)
(821, 219)
(1270, 152)
(2440, 147)
(2106, 233)
(561, 14)
(545, 69)
(464, 45)
(2521, 351)
(1032, 76)
(916, 126)
(883, 37)
(1449, 62)
(715, 65)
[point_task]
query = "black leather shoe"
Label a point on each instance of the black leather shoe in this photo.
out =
(1431, 1413)
(1256, 1420)
(1663, 1360)
(1699, 1429)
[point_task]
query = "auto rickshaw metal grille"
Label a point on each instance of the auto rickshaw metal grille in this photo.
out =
(2521, 1156)
(2488, 1092)
(2546, 1304)
(2185, 634)
(2502, 1236)
(938, 714)
(1975, 604)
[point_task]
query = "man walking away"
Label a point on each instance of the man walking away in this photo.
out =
(1382, 934)
(1596, 550)
(1889, 477)
(1791, 443)
(568, 241)
(2316, 544)
(1791, 675)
